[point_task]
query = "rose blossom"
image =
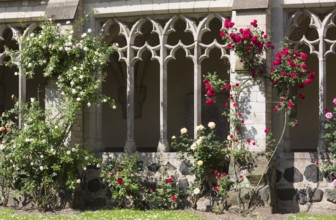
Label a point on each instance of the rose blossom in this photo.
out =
(334, 101)
(334, 183)
(329, 115)
(170, 180)
(200, 163)
(197, 191)
(173, 198)
(183, 131)
(211, 125)
(119, 181)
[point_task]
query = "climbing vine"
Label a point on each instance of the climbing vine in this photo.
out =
(38, 159)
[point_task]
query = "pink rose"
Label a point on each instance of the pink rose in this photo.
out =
(334, 101)
(334, 183)
(329, 115)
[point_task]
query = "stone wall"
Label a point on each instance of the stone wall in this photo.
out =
(301, 185)
(94, 195)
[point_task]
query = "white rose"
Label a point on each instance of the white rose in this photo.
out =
(41, 168)
(193, 146)
(68, 152)
(89, 104)
(89, 30)
(173, 137)
(73, 149)
(32, 99)
(114, 107)
(68, 22)
(86, 158)
(200, 128)
(74, 91)
(98, 165)
(74, 68)
(84, 168)
(30, 64)
(78, 181)
(78, 99)
(183, 131)
(197, 191)
(211, 125)
(83, 35)
(16, 73)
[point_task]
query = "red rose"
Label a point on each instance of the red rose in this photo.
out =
(224, 174)
(215, 172)
(119, 181)
(266, 130)
(222, 34)
(290, 105)
(216, 188)
(248, 140)
(275, 109)
(209, 101)
(173, 198)
(170, 180)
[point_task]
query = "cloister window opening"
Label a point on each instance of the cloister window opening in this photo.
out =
(163, 38)
(314, 29)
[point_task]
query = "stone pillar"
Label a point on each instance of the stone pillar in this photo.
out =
(130, 144)
(197, 89)
(163, 145)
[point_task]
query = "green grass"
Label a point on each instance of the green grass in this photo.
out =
(8, 214)
(312, 217)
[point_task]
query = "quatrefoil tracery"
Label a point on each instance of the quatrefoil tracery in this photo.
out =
(164, 52)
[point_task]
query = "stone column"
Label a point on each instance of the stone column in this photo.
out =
(163, 142)
(197, 89)
(22, 91)
(163, 145)
(130, 144)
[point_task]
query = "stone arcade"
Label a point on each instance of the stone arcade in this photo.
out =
(165, 47)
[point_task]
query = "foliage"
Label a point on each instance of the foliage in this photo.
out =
(37, 159)
(122, 178)
(330, 129)
(127, 188)
(330, 138)
(162, 193)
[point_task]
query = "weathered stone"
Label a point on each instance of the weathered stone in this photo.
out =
(286, 194)
(203, 204)
(94, 185)
(278, 175)
(97, 203)
(171, 167)
(140, 164)
(331, 195)
(231, 198)
(293, 175)
(183, 185)
(317, 196)
(154, 167)
(302, 196)
(234, 209)
(264, 193)
(184, 169)
(245, 195)
(313, 173)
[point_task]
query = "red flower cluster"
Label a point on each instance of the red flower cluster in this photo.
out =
(170, 180)
(249, 44)
(210, 92)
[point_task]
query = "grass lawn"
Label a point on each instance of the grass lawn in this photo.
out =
(8, 214)
(312, 217)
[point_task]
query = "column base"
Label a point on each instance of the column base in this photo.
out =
(163, 146)
(130, 146)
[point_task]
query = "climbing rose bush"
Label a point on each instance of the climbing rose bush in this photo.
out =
(330, 129)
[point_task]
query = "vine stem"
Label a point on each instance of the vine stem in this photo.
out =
(269, 160)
